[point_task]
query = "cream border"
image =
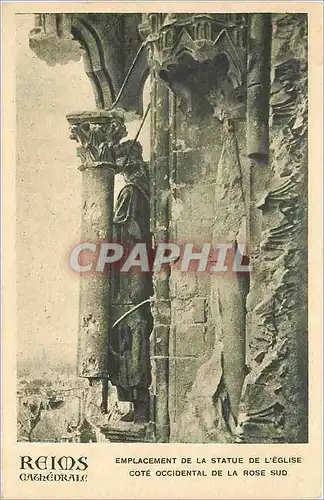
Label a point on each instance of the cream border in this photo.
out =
(106, 479)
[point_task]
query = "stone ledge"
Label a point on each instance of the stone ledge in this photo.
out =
(128, 432)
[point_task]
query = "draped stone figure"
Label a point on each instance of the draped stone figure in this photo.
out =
(131, 372)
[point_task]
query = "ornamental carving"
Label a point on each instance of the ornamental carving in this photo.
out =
(200, 57)
(98, 135)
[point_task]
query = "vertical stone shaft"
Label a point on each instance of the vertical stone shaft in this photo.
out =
(229, 289)
(258, 85)
(152, 149)
(95, 288)
(258, 89)
(232, 292)
(97, 134)
(161, 313)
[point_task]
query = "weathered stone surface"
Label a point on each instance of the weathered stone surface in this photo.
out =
(182, 287)
(206, 416)
(182, 372)
(199, 313)
(274, 399)
(191, 340)
(52, 40)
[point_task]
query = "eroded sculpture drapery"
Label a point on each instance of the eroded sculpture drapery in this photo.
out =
(274, 397)
(228, 353)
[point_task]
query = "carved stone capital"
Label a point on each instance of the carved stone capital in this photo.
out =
(98, 135)
(52, 41)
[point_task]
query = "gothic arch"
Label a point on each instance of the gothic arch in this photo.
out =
(94, 62)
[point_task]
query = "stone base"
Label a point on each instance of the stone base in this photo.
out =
(128, 432)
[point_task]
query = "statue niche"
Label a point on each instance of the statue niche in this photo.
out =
(213, 401)
(130, 354)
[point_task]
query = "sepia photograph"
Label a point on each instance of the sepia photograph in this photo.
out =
(161, 235)
(162, 250)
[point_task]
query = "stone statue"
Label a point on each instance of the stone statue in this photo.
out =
(131, 372)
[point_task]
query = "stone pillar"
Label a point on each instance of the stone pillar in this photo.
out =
(258, 86)
(257, 117)
(97, 133)
(162, 308)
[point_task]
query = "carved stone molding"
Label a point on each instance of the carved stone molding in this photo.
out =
(128, 432)
(109, 44)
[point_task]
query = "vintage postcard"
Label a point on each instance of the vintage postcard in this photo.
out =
(162, 243)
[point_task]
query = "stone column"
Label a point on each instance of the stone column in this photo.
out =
(97, 133)
(257, 123)
(258, 86)
(162, 307)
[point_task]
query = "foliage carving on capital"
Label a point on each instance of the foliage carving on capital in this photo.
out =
(98, 135)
